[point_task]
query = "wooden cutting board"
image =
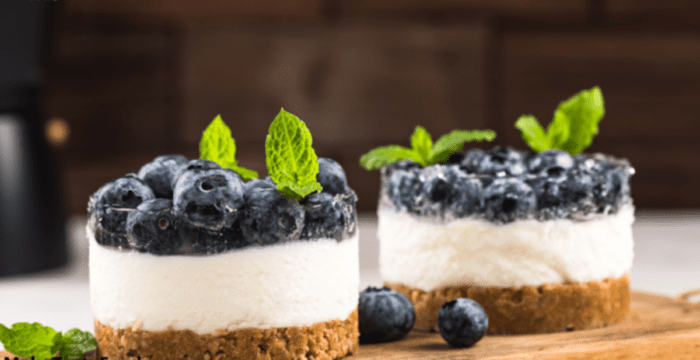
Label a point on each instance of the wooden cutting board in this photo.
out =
(657, 328)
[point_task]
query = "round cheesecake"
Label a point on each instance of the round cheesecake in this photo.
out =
(542, 241)
(218, 268)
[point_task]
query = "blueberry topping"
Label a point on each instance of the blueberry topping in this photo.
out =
(270, 217)
(508, 199)
(194, 165)
(448, 188)
(502, 161)
(384, 315)
(462, 322)
(326, 217)
(471, 160)
(153, 228)
(264, 183)
(405, 189)
(111, 204)
(209, 199)
(331, 177)
(203, 241)
(160, 172)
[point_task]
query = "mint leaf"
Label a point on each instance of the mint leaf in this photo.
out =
(218, 145)
(558, 131)
(76, 343)
(421, 142)
(27, 340)
(533, 133)
(450, 143)
(385, 155)
(583, 112)
(291, 161)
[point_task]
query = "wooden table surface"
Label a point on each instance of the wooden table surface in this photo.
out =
(657, 328)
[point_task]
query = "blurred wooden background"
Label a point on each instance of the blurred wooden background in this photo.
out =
(135, 79)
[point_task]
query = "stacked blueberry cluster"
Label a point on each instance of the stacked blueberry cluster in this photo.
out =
(504, 185)
(177, 206)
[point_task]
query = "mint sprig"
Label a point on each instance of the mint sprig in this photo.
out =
(42, 342)
(218, 145)
(422, 150)
(291, 161)
(574, 125)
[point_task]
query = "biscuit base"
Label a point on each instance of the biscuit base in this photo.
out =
(551, 307)
(325, 340)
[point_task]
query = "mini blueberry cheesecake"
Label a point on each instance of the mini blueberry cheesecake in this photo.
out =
(541, 239)
(200, 259)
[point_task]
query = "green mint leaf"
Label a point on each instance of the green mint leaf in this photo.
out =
(76, 343)
(450, 143)
(582, 112)
(218, 145)
(27, 340)
(421, 142)
(385, 155)
(533, 133)
(558, 131)
(291, 161)
(246, 174)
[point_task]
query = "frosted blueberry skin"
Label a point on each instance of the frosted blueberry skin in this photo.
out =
(211, 210)
(504, 185)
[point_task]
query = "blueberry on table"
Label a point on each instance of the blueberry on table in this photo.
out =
(331, 177)
(462, 322)
(326, 217)
(160, 172)
(384, 315)
(508, 199)
(209, 199)
(110, 205)
(502, 160)
(153, 228)
(270, 217)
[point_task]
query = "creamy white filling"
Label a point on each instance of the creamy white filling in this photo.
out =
(294, 284)
(428, 254)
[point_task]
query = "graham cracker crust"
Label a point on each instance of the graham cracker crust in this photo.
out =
(326, 340)
(551, 307)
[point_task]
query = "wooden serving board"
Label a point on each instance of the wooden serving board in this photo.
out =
(657, 328)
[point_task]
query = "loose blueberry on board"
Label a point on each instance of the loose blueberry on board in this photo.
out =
(208, 199)
(270, 217)
(508, 199)
(502, 161)
(462, 322)
(384, 315)
(160, 172)
(331, 177)
(110, 205)
(153, 228)
(326, 217)
(405, 190)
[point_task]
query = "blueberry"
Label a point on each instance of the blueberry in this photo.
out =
(462, 322)
(551, 164)
(326, 216)
(110, 205)
(612, 188)
(502, 161)
(471, 160)
(203, 241)
(194, 165)
(448, 188)
(385, 315)
(153, 228)
(160, 172)
(331, 176)
(270, 217)
(208, 199)
(507, 199)
(404, 189)
(256, 183)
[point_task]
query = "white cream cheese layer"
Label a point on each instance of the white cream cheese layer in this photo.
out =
(427, 254)
(293, 284)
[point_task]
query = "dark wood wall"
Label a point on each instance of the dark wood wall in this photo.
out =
(135, 79)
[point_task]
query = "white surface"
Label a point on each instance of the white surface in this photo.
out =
(294, 284)
(430, 254)
(667, 262)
